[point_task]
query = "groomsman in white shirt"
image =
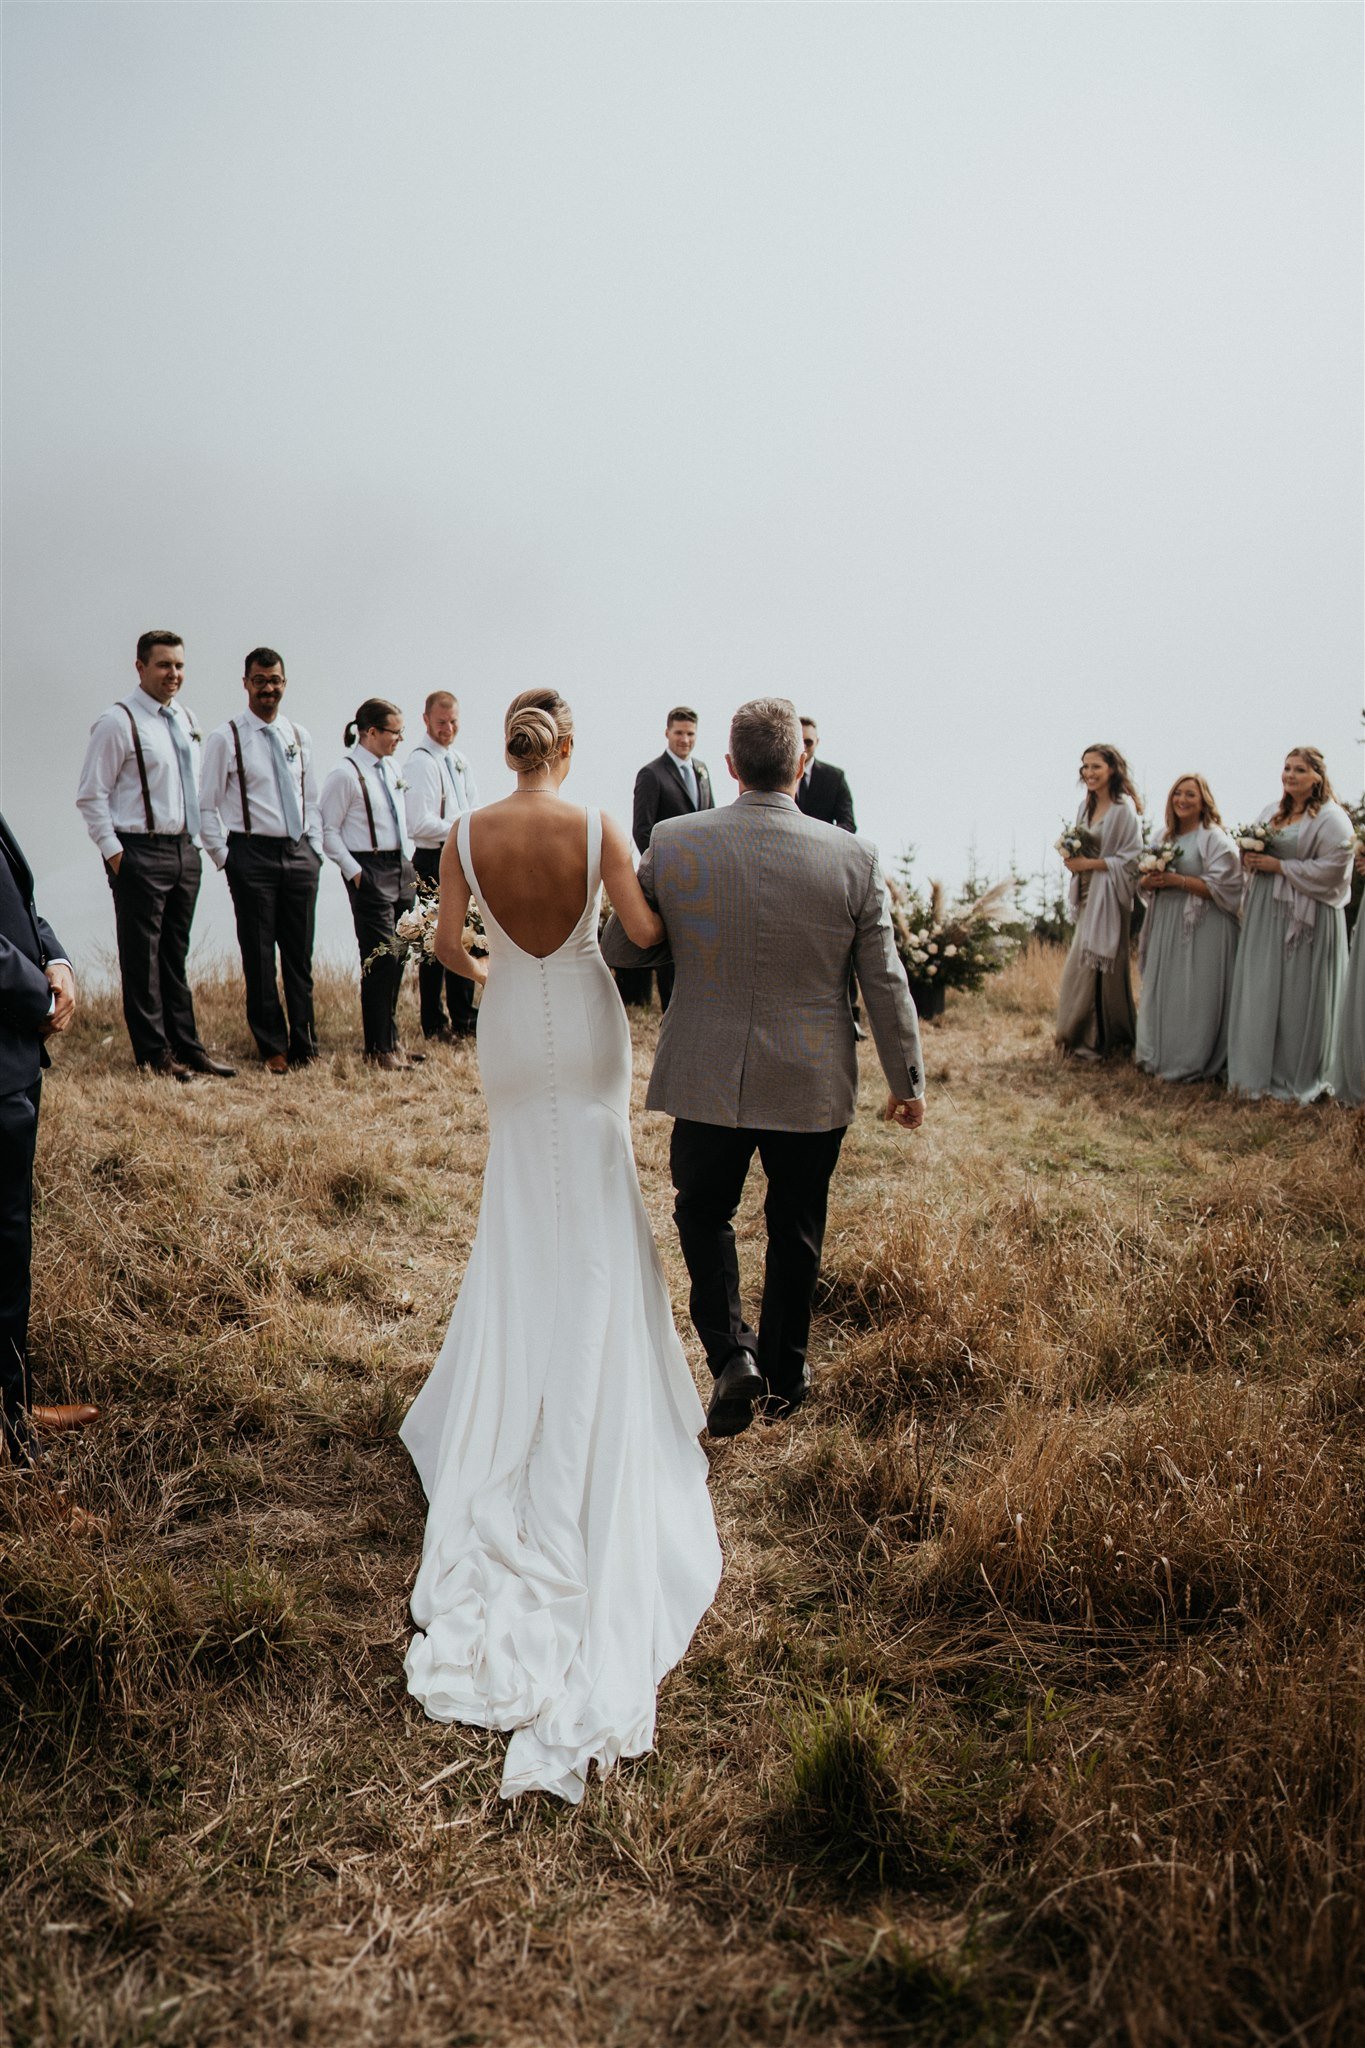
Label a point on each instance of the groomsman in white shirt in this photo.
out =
(139, 796)
(258, 809)
(364, 833)
(440, 786)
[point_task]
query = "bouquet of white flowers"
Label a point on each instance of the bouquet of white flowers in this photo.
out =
(1071, 845)
(958, 945)
(415, 931)
(1356, 814)
(1157, 859)
(1255, 838)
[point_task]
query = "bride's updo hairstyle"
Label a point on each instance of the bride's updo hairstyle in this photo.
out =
(534, 731)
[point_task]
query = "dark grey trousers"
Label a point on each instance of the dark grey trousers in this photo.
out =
(386, 887)
(710, 1164)
(18, 1136)
(155, 891)
(274, 884)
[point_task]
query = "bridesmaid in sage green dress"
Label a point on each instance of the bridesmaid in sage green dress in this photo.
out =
(1189, 942)
(1286, 991)
(1095, 1015)
(1348, 1067)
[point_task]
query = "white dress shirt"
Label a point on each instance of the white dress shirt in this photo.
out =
(345, 820)
(440, 786)
(109, 796)
(220, 789)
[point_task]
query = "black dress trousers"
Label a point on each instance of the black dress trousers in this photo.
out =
(155, 891)
(435, 981)
(386, 887)
(18, 1139)
(274, 885)
(710, 1163)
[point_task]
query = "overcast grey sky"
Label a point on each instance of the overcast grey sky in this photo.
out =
(987, 377)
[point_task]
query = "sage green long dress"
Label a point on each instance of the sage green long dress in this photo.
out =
(1285, 1000)
(1348, 1065)
(1095, 1010)
(1182, 1019)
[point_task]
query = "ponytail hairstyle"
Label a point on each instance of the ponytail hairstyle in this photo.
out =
(1323, 792)
(537, 724)
(375, 711)
(1120, 782)
(1208, 809)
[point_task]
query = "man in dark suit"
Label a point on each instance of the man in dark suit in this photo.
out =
(823, 790)
(37, 998)
(823, 793)
(674, 786)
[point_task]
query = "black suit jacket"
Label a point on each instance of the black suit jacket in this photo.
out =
(27, 943)
(660, 792)
(828, 797)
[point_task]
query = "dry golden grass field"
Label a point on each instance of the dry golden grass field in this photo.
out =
(1032, 1706)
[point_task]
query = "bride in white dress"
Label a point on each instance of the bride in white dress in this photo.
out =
(570, 1546)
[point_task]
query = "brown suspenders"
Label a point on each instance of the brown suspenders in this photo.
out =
(369, 807)
(241, 784)
(141, 766)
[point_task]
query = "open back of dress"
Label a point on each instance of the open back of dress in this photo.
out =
(570, 1546)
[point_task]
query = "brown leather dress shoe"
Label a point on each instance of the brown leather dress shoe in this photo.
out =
(389, 1062)
(172, 1069)
(277, 1064)
(62, 1415)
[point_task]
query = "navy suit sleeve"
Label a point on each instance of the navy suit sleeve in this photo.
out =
(25, 991)
(646, 815)
(53, 949)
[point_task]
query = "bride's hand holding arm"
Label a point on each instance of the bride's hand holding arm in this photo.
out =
(636, 915)
(455, 900)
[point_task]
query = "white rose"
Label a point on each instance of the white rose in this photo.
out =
(950, 952)
(410, 925)
(932, 946)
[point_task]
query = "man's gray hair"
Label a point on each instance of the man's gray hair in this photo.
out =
(765, 743)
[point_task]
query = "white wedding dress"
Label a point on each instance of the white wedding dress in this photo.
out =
(570, 1546)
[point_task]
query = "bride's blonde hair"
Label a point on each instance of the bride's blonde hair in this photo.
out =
(535, 728)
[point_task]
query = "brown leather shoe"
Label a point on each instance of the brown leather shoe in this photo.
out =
(389, 1062)
(62, 1415)
(171, 1069)
(277, 1064)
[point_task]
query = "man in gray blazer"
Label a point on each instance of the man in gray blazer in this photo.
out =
(765, 911)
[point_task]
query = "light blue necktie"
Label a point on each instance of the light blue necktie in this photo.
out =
(284, 783)
(689, 774)
(185, 760)
(393, 808)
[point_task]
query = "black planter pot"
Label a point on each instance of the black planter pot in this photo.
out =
(930, 997)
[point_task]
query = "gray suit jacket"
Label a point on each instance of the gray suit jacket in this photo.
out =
(765, 910)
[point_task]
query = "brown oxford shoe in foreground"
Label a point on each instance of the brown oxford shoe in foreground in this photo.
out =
(63, 1415)
(276, 1064)
(389, 1062)
(205, 1063)
(171, 1069)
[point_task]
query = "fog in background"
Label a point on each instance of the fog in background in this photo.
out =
(988, 378)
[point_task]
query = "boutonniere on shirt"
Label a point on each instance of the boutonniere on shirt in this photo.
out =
(291, 752)
(196, 736)
(399, 783)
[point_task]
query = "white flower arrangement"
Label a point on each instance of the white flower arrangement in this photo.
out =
(1254, 838)
(1071, 845)
(1157, 859)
